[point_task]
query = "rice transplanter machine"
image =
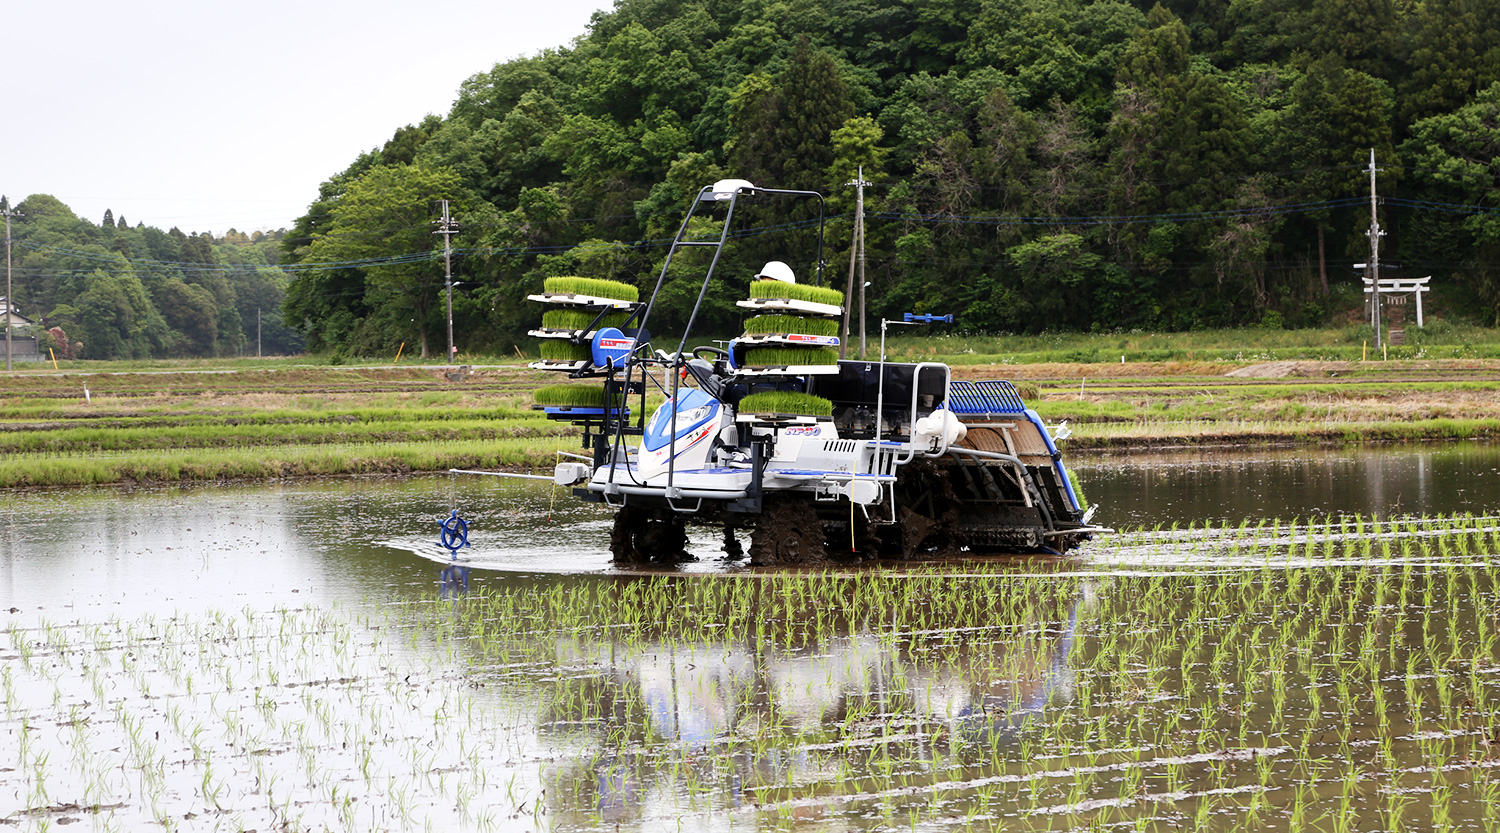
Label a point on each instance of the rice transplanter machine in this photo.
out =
(817, 458)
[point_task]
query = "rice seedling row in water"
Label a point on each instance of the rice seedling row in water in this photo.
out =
(430, 407)
(288, 719)
(1224, 695)
(1299, 674)
(63, 441)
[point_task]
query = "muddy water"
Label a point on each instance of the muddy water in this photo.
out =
(259, 657)
(126, 552)
(1198, 485)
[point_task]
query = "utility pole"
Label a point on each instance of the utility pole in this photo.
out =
(10, 303)
(857, 256)
(860, 210)
(446, 227)
(856, 250)
(1375, 235)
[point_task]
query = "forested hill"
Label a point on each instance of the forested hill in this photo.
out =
(116, 291)
(1036, 164)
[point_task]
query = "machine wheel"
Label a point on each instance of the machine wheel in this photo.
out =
(733, 550)
(788, 532)
(926, 507)
(648, 536)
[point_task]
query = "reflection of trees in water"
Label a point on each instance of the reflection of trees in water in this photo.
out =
(667, 687)
(1214, 484)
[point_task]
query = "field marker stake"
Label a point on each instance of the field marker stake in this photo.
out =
(398, 352)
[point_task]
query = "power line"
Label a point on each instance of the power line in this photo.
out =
(1118, 219)
(294, 269)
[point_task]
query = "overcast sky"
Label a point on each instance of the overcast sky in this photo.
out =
(210, 116)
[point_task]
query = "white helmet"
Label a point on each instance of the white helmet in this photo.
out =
(776, 271)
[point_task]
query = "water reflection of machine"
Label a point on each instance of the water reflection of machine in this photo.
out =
(453, 581)
(834, 699)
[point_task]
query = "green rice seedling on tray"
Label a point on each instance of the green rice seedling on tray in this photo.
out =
(596, 287)
(577, 319)
(796, 292)
(561, 350)
(785, 402)
(570, 396)
(762, 324)
(787, 356)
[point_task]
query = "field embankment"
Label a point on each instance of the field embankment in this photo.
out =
(155, 426)
(258, 422)
(1149, 404)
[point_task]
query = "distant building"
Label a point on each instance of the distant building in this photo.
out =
(22, 348)
(13, 315)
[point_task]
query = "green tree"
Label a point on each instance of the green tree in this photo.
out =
(1455, 158)
(259, 292)
(380, 228)
(1179, 141)
(1453, 53)
(190, 310)
(1033, 42)
(1263, 31)
(402, 148)
(118, 319)
(856, 144)
(1337, 116)
(783, 128)
(1358, 32)
(1055, 272)
(814, 102)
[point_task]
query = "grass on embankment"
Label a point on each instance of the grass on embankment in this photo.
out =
(1093, 436)
(1158, 411)
(316, 421)
(1438, 340)
(162, 426)
(81, 440)
(204, 464)
(311, 422)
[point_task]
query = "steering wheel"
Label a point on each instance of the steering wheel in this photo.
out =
(714, 352)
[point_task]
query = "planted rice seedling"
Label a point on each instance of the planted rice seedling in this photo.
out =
(1285, 675)
(1051, 687)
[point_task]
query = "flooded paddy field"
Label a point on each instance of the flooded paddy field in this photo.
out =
(1279, 642)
